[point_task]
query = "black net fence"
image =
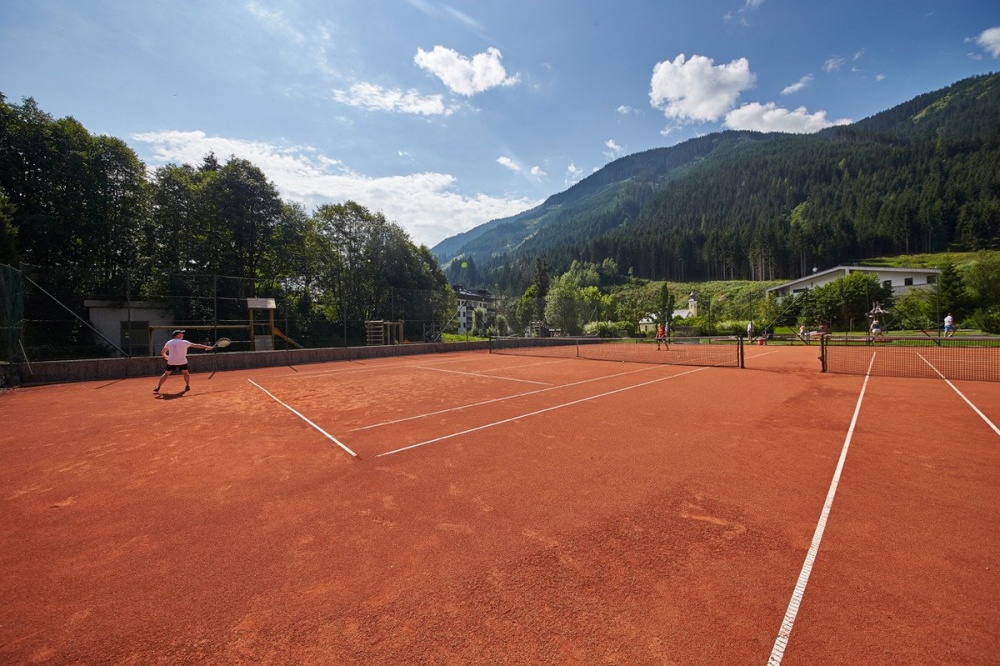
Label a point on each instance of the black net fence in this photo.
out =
(973, 358)
(62, 313)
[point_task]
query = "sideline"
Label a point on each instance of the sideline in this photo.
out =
(302, 416)
(962, 396)
(781, 642)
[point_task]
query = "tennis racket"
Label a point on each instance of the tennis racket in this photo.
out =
(220, 343)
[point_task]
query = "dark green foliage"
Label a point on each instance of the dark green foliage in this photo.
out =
(922, 177)
(200, 239)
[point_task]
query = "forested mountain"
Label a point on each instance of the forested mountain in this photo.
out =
(921, 177)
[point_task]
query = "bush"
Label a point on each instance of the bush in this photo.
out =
(602, 329)
(987, 320)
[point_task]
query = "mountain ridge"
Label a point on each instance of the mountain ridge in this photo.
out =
(871, 186)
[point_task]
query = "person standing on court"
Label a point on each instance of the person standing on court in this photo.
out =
(750, 330)
(949, 325)
(175, 354)
(661, 336)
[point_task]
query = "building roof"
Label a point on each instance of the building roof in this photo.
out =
(831, 274)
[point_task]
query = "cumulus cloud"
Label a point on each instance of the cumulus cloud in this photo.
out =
(697, 89)
(989, 41)
(371, 96)
(503, 160)
(614, 150)
(772, 118)
(465, 76)
(573, 173)
(425, 204)
(798, 85)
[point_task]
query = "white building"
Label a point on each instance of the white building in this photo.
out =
(901, 280)
(468, 301)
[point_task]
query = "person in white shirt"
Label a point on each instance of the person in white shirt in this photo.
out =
(949, 325)
(175, 354)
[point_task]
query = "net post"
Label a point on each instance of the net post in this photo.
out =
(740, 352)
(822, 352)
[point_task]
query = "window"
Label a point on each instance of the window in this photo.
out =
(908, 282)
(887, 283)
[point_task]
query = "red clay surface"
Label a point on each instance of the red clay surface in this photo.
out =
(501, 510)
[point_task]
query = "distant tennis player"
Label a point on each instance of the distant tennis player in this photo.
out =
(661, 336)
(175, 354)
(949, 325)
(875, 329)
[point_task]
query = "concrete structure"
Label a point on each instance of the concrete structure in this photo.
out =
(126, 323)
(103, 369)
(901, 280)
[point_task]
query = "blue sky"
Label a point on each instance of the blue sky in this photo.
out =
(445, 115)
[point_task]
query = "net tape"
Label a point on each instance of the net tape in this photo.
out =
(714, 352)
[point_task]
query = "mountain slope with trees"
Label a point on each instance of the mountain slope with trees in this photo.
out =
(921, 177)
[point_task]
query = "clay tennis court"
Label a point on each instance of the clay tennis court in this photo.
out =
(475, 508)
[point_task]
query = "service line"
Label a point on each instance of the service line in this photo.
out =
(781, 642)
(507, 397)
(540, 411)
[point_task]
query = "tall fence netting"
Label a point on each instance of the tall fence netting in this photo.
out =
(59, 313)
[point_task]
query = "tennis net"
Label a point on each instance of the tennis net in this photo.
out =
(964, 358)
(703, 351)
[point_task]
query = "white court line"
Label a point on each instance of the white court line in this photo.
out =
(479, 374)
(961, 395)
(302, 416)
(540, 411)
(781, 642)
(492, 400)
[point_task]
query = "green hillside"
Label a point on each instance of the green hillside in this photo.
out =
(923, 177)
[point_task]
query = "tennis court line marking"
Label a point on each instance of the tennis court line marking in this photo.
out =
(501, 399)
(302, 416)
(781, 642)
(536, 413)
(961, 395)
(479, 374)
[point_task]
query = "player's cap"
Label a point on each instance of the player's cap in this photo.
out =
(179, 330)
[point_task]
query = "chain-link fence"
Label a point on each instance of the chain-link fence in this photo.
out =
(59, 313)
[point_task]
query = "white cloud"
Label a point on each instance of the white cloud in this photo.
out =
(371, 96)
(696, 89)
(614, 150)
(989, 41)
(537, 172)
(833, 64)
(626, 110)
(509, 163)
(462, 75)
(798, 85)
(771, 118)
(425, 204)
(573, 173)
